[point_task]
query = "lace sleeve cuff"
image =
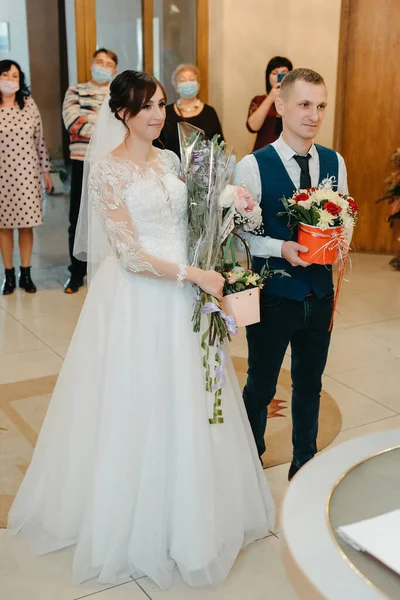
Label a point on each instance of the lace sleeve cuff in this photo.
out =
(182, 274)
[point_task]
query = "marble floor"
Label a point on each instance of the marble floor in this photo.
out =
(363, 375)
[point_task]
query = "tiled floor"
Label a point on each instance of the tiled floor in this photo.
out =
(363, 375)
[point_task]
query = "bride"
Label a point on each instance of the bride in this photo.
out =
(127, 467)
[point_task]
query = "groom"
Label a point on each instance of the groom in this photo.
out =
(295, 310)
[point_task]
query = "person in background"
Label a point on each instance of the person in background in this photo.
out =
(80, 109)
(188, 107)
(262, 118)
(23, 163)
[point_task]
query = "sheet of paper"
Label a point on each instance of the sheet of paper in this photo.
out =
(379, 537)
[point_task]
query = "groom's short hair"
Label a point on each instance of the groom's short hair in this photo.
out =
(306, 75)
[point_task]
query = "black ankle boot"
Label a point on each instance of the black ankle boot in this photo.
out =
(9, 282)
(25, 281)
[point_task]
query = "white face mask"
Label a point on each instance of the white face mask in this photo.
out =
(8, 88)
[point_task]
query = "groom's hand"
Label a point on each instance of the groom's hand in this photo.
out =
(290, 252)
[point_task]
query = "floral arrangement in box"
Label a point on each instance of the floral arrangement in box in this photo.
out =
(242, 288)
(242, 292)
(238, 279)
(321, 216)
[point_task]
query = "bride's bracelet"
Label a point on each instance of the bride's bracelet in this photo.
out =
(182, 274)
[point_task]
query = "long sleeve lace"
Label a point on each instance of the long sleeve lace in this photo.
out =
(106, 189)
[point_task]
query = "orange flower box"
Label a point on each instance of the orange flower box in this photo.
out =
(323, 244)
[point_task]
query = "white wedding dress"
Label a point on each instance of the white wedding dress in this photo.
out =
(127, 467)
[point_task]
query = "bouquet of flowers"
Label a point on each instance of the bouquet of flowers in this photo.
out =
(207, 166)
(321, 215)
(214, 210)
(240, 210)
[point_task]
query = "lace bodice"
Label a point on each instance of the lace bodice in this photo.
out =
(143, 210)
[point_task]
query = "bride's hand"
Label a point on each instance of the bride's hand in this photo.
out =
(210, 282)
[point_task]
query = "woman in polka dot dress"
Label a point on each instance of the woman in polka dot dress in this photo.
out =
(23, 162)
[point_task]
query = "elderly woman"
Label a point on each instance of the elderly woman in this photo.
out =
(262, 118)
(23, 163)
(188, 107)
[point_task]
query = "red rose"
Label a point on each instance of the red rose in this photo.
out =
(353, 206)
(332, 208)
(301, 197)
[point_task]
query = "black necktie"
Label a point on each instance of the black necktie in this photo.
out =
(305, 177)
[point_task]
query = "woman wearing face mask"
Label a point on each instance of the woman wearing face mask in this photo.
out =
(80, 109)
(262, 118)
(188, 107)
(23, 163)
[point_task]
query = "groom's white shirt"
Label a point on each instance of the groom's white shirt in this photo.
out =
(247, 174)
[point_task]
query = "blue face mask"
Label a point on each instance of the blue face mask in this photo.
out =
(188, 89)
(101, 75)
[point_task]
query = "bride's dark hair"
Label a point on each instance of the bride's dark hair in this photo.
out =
(130, 91)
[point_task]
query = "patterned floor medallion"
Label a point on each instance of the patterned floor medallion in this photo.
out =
(23, 406)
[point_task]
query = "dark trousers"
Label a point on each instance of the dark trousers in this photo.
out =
(77, 267)
(304, 325)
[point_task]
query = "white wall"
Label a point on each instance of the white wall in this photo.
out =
(244, 35)
(14, 12)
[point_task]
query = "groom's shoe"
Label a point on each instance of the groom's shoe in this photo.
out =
(292, 471)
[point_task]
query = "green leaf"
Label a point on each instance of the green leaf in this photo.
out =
(314, 216)
(305, 214)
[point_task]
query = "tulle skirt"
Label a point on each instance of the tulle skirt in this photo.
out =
(127, 467)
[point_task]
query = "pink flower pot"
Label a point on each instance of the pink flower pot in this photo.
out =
(243, 306)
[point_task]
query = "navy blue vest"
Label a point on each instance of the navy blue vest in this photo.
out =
(276, 183)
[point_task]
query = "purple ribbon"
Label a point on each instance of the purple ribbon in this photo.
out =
(206, 309)
(211, 307)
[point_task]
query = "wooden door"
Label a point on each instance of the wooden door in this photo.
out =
(368, 112)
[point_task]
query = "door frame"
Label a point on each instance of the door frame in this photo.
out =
(85, 25)
(341, 74)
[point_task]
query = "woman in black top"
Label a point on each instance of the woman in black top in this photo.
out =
(188, 107)
(262, 118)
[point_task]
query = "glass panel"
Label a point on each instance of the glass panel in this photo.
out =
(119, 28)
(174, 39)
(4, 37)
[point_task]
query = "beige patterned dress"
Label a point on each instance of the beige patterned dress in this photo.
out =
(23, 159)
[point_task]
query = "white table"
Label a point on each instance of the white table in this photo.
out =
(353, 481)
